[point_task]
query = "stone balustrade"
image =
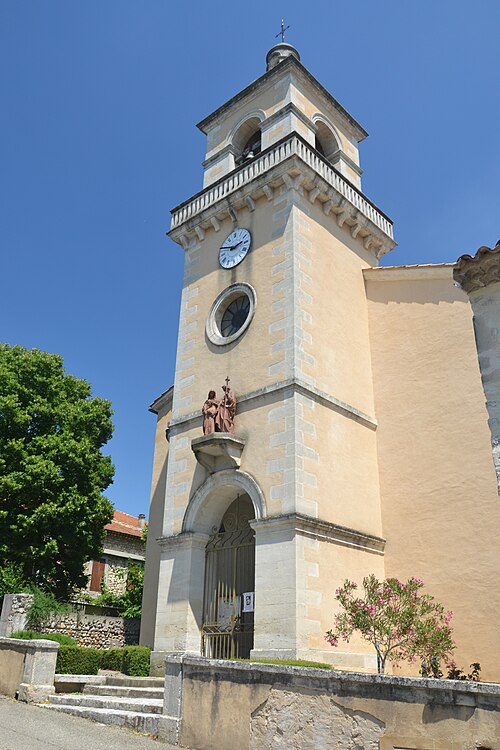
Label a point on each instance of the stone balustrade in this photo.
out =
(278, 153)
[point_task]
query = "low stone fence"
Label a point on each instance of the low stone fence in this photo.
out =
(91, 630)
(27, 668)
(95, 631)
(220, 705)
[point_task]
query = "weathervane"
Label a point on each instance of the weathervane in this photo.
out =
(282, 32)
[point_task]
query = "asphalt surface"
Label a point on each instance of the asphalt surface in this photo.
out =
(27, 727)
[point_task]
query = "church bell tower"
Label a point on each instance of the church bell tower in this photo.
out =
(256, 528)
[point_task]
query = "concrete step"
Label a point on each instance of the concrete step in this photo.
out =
(146, 693)
(140, 705)
(138, 721)
(125, 681)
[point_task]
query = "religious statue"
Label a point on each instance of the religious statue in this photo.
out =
(224, 421)
(210, 410)
(218, 415)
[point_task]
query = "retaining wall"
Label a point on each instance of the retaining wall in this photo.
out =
(220, 705)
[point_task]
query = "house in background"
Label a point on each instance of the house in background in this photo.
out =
(123, 542)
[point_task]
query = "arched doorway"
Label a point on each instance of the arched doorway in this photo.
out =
(228, 601)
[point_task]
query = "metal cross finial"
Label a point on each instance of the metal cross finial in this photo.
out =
(282, 32)
(227, 381)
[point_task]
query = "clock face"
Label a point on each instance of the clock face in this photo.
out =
(234, 248)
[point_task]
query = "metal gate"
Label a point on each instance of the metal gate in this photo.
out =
(227, 630)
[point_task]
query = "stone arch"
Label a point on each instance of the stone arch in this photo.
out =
(245, 131)
(327, 138)
(208, 504)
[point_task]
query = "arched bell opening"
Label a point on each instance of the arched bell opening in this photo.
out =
(326, 142)
(247, 141)
(228, 601)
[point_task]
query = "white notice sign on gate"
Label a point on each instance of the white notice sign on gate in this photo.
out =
(248, 601)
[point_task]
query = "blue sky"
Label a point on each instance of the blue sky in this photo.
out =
(98, 107)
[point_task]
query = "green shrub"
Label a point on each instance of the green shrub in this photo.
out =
(78, 660)
(44, 604)
(112, 658)
(30, 635)
(25, 635)
(136, 660)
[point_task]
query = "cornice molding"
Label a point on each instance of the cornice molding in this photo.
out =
(290, 64)
(163, 401)
(319, 529)
(409, 273)
(295, 163)
(478, 271)
(297, 386)
(289, 108)
(220, 154)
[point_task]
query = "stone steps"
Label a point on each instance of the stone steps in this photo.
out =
(136, 720)
(132, 702)
(125, 692)
(118, 703)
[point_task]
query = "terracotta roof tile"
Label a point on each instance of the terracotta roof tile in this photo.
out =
(123, 523)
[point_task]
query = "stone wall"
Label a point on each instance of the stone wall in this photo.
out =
(91, 630)
(220, 705)
(123, 544)
(95, 631)
(15, 610)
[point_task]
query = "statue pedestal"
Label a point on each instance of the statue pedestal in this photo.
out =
(218, 451)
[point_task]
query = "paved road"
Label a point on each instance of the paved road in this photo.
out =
(24, 727)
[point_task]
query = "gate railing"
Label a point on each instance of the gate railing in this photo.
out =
(227, 631)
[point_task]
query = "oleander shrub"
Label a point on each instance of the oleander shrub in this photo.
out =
(31, 635)
(78, 660)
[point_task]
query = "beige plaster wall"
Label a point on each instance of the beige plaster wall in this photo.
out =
(440, 509)
(155, 526)
(202, 365)
(331, 264)
(322, 567)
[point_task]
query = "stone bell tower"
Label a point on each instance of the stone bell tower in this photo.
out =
(273, 296)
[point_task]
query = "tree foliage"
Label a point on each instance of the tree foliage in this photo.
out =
(52, 471)
(399, 621)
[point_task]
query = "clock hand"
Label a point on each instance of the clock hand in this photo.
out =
(231, 247)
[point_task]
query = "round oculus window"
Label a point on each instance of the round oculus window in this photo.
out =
(231, 314)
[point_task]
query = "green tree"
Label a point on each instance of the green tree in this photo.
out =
(52, 471)
(400, 622)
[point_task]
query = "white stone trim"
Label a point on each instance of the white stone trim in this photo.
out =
(124, 555)
(255, 113)
(212, 327)
(228, 478)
